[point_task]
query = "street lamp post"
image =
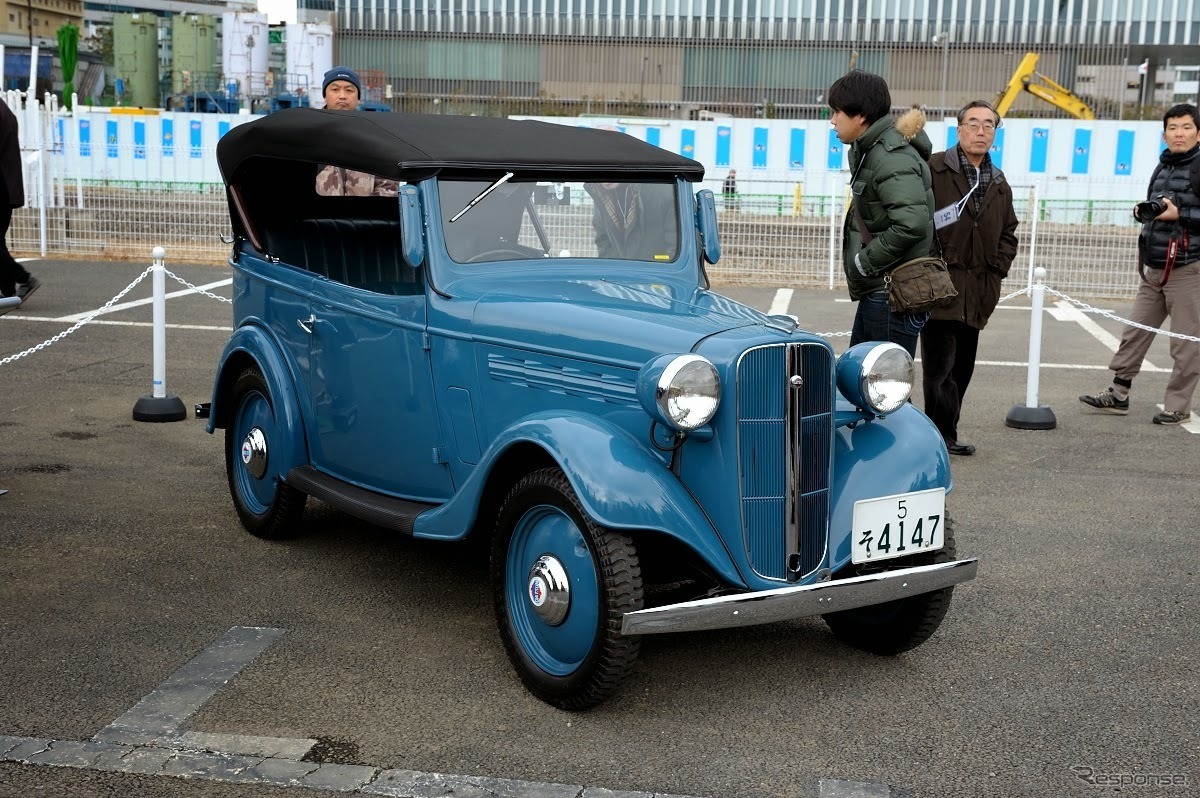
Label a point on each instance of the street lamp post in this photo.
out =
(642, 84)
(942, 37)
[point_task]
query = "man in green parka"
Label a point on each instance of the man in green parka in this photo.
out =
(890, 219)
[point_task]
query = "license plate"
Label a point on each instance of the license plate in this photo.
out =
(898, 526)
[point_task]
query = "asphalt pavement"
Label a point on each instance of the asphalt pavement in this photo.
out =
(1070, 667)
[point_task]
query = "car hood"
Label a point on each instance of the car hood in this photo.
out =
(610, 321)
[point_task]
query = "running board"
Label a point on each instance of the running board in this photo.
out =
(385, 511)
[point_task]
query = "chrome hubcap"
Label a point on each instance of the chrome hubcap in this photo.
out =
(548, 590)
(254, 453)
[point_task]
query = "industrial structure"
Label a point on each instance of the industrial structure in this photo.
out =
(673, 59)
(666, 58)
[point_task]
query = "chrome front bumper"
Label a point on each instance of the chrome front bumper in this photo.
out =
(781, 604)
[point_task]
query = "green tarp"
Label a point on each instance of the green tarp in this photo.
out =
(68, 55)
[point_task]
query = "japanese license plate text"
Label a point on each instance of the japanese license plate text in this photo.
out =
(898, 526)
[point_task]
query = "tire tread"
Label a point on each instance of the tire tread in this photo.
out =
(919, 616)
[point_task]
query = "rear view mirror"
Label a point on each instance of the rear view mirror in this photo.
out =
(706, 225)
(412, 230)
(551, 194)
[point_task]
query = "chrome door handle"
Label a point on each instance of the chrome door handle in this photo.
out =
(306, 324)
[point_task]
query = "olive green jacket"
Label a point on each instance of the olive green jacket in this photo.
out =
(893, 190)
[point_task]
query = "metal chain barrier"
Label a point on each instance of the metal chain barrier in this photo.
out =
(1025, 290)
(1014, 295)
(77, 325)
(1086, 308)
(1083, 306)
(195, 288)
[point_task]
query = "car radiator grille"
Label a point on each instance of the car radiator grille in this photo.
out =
(785, 431)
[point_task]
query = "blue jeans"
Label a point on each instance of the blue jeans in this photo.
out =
(875, 321)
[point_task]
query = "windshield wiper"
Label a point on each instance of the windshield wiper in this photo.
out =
(482, 194)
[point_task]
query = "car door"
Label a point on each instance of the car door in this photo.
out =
(373, 420)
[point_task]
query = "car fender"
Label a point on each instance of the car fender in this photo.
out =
(251, 344)
(898, 454)
(619, 483)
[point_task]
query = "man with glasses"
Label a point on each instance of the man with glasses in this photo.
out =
(976, 234)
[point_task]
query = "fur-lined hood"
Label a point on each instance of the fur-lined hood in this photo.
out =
(910, 123)
(909, 128)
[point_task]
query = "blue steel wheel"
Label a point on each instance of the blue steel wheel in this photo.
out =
(901, 625)
(561, 586)
(267, 506)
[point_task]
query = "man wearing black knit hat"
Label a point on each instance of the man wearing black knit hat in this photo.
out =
(342, 91)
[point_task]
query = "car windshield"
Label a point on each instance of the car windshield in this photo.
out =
(519, 219)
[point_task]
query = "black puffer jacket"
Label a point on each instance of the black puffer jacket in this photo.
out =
(1173, 179)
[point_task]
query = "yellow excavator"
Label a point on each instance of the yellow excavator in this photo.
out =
(1027, 78)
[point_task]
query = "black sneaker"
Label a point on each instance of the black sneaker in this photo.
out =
(1172, 417)
(28, 287)
(1106, 401)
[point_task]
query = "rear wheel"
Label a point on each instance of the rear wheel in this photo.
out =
(560, 587)
(903, 624)
(267, 506)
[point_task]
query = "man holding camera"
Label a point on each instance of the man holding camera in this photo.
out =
(1169, 264)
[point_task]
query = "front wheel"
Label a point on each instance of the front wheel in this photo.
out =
(268, 507)
(561, 586)
(898, 626)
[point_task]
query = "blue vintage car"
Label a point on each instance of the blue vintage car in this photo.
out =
(463, 327)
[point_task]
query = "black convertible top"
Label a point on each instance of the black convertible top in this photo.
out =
(415, 146)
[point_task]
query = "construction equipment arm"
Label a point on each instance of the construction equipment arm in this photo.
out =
(1027, 78)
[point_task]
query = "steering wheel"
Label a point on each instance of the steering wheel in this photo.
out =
(491, 253)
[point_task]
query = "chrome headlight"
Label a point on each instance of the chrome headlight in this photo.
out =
(876, 377)
(681, 391)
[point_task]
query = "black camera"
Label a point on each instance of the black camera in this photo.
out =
(1149, 210)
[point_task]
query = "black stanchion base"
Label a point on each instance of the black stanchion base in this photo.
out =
(1022, 417)
(159, 408)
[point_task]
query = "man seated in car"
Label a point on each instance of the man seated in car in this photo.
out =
(634, 221)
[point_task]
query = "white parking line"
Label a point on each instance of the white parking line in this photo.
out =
(139, 302)
(781, 302)
(161, 713)
(148, 740)
(1072, 366)
(1192, 426)
(1065, 311)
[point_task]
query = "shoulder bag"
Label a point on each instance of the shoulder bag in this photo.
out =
(917, 285)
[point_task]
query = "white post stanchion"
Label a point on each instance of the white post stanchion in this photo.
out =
(159, 405)
(1031, 415)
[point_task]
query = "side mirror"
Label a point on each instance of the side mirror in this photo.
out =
(412, 229)
(706, 225)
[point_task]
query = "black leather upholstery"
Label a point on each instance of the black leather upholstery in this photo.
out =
(360, 252)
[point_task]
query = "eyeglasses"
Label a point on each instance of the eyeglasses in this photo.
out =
(987, 127)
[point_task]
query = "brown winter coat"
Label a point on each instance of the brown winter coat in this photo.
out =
(978, 247)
